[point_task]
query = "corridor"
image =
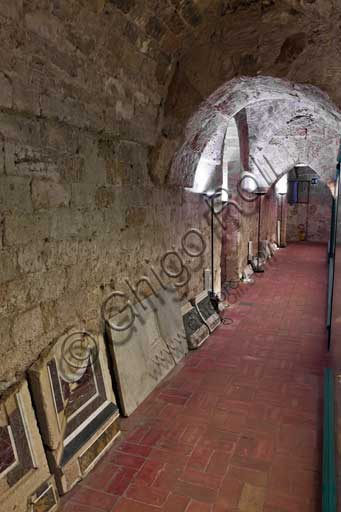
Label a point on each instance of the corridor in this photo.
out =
(238, 425)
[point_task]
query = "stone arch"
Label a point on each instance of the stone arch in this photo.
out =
(212, 117)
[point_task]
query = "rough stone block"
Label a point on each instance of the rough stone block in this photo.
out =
(124, 5)
(145, 351)
(82, 195)
(12, 9)
(8, 265)
(49, 194)
(25, 480)
(15, 193)
(28, 325)
(62, 253)
(46, 285)
(67, 224)
(65, 109)
(22, 159)
(45, 25)
(25, 98)
(76, 409)
(25, 229)
(105, 197)
(6, 91)
(72, 169)
(136, 216)
(2, 156)
(58, 312)
(19, 130)
(135, 158)
(94, 170)
(30, 258)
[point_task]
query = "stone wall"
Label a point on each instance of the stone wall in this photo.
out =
(249, 225)
(315, 216)
(242, 227)
(80, 215)
(81, 85)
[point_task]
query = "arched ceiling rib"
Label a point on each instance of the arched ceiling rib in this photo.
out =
(284, 131)
(213, 115)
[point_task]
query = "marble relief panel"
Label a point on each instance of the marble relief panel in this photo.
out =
(149, 348)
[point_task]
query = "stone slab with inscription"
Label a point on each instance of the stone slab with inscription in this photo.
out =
(146, 351)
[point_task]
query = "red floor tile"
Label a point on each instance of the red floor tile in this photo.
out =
(93, 498)
(245, 409)
(176, 503)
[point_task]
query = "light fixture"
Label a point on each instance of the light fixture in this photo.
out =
(248, 183)
(210, 198)
(281, 194)
(259, 192)
(281, 188)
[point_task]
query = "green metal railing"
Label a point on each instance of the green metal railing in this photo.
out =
(331, 254)
(328, 466)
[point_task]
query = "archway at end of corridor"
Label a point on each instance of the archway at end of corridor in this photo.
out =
(250, 132)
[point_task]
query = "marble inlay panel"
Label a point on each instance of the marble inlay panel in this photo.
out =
(23, 465)
(65, 389)
(91, 454)
(22, 447)
(70, 402)
(56, 385)
(81, 392)
(46, 501)
(83, 405)
(7, 450)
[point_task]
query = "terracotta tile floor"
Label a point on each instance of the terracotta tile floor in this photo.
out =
(237, 426)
